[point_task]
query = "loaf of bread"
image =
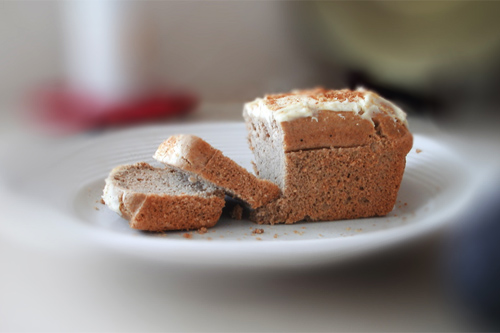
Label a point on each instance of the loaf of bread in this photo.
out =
(194, 155)
(335, 154)
(157, 199)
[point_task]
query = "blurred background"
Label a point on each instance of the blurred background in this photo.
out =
(74, 68)
(432, 57)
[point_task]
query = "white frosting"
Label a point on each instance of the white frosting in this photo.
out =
(297, 105)
(173, 155)
(111, 196)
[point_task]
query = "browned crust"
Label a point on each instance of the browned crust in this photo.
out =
(327, 130)
(339, 129)
(153, 212)
(211, 165)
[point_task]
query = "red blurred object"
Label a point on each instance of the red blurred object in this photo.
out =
(64, 111)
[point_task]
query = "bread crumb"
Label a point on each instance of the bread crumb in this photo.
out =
(237, 212)
(96, 208)
(258, 231)
(348, 228)
(202, 230)
(186, 235)
(209, 238)
(303, 228)
(258, 238)
(275, 236)
(418, 150)
(102, 201)
(359, 230)
(320, 235)
(298, 232)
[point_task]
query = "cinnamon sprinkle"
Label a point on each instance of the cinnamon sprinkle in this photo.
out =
(319, 94)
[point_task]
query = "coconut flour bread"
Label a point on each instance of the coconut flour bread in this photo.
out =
(158, 199)
(194, 155)
(319, 155)
(335, 154)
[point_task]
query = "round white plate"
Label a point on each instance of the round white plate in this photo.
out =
(435, 187)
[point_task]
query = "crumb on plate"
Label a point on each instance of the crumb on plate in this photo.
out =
(202, 230)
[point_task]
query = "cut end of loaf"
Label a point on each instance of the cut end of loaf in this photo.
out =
(157, 199)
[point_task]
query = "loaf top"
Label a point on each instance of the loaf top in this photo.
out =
(307, 103)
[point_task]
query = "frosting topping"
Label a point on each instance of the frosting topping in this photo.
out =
(307, 103)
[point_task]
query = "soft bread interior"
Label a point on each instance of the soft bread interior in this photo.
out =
(143, 178)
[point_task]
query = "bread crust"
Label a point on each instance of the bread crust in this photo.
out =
(161, 212)
(192, 154)
(327, 130)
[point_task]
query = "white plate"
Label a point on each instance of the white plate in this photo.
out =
(435, 187)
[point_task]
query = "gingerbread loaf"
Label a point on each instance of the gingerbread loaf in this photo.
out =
(335, 154)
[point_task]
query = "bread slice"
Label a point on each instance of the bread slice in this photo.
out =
(336, 154)
(156, 199)
(196, 156)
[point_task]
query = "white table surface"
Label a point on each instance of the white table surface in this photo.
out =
(56, 289)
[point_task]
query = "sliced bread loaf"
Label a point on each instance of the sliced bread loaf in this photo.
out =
(196, 156)
(156, 199)
(336, 154)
